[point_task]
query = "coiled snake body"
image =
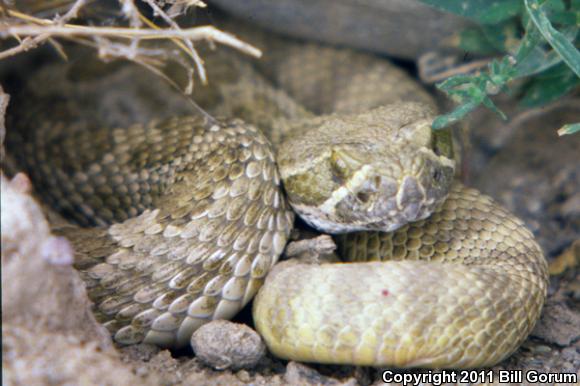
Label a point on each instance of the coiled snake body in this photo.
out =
(199, 217)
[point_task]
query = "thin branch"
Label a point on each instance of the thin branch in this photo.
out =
(27, 44)
(197, 107)
(209, 33)
(72, 13)
(131, 12)
(123, 41)
(188, 48)
(179, 7)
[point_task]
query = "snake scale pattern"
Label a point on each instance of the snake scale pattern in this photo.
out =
(182, 218)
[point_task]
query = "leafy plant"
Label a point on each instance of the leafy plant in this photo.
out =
(539, 39)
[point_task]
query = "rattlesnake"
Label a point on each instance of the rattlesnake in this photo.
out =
(199, 215)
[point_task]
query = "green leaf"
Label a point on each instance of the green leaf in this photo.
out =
(553, 5)
(505, 36)
(544, 56)
(453, 82)
(490, 105)
(447, 119)
(474, 40)
(533, 59)
(557, 40)
(569, 128)
(549, 86)
(481, 11)
(564, 17)
(529, 42)
(537, 62)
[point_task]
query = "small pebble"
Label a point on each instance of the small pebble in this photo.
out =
(243, 376)
(542, 348)
(225, 345)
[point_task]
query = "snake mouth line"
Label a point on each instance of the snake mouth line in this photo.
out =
(351, 188)
(344, 211)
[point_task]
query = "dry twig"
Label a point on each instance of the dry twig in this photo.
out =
(122, 41)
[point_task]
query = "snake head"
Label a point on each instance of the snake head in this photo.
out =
(373, 171)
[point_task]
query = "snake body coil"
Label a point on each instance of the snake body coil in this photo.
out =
(461, 289)
(198, 219)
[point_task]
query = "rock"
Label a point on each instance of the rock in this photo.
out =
(225, 345)
(40, 289)
(49, 335)
(315, 250)
(41, 358)
(558, 325)
(401, 28)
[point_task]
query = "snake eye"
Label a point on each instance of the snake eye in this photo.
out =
(437, 175)
(442, 143)
(342, 165)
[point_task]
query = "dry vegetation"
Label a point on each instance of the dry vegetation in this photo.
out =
(146, 32)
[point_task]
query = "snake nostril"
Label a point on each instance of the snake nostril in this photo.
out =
(437, 175)
(363, 197)
(377, 182)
